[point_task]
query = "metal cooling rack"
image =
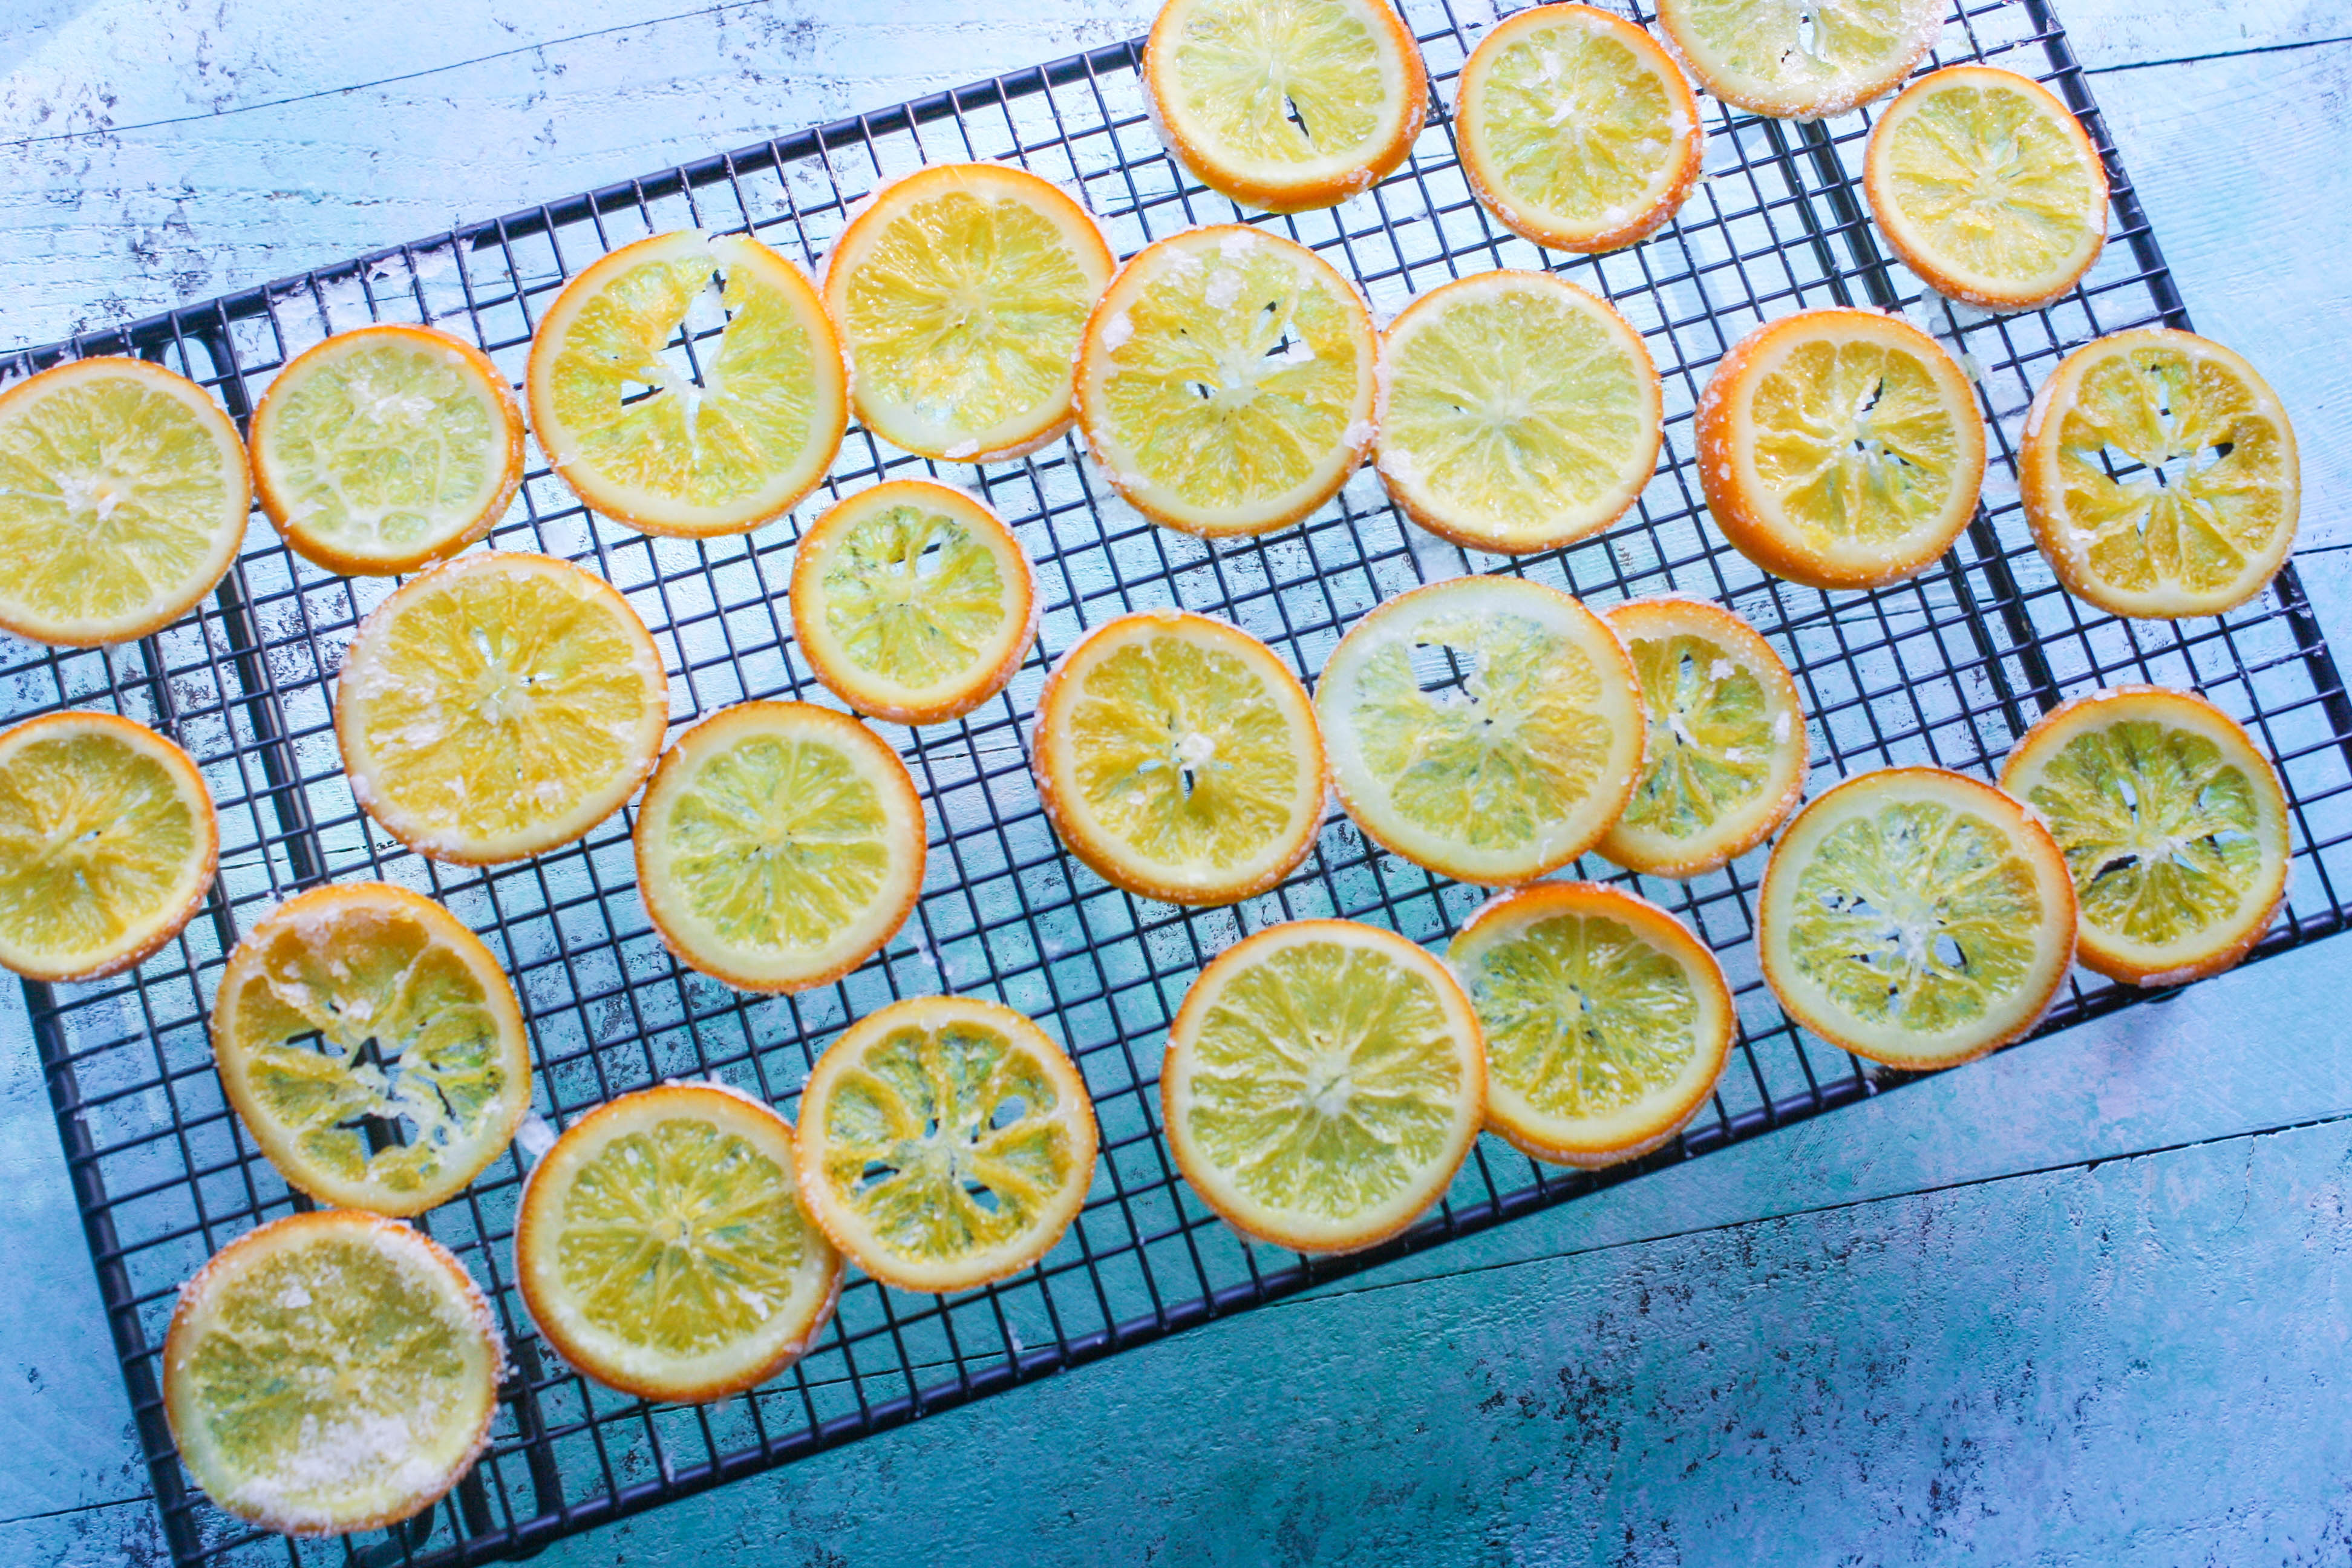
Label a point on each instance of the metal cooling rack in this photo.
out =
(1947, 669)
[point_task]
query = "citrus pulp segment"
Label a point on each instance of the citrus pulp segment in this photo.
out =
(1516, 412)
(1225, 382)
(1323, 1082)
(959, 293)
(1723, 761)
(123, 494)
(498, 706)
(663, 1246)
(1576, 130)
(372, 1046)
(1839, 448)
(1179, 758)
(2172, 822)
(330, 1372)
(913, 602)
(945, 1142)
(2160, 475)
(1916, 917)
(1488, 728)
(382, 449)
(779, 846)
(1606, 1021)
(655, 422)
(1800, 59)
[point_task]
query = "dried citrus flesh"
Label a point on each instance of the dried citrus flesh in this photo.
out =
(663, 1247)
(779, 846)
(913, 602)
(945, 1142)
(2159, 473)
(123, 494)
(330, 1373)
(1516, 412)
(1225, 384)
(1179, 758)
(1323, 1082)
(1488, 728)
(1286, 104)
(2172, 822)
(656, 423)
(1801, 59)
(498, 706)
(1606, 1021)
(373, 1047)
(1916, 917)
(1724, 762)
(959, 292)
(1577, 131)
(1839, 448)
(108, 842)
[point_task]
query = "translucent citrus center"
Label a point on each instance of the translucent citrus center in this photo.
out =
(1992, 180)
(95, 838)
(1577, 124)
(912, 595)
(1854, 442)
(777, 842)
(1280, 81)
(1712, 737)
(1805, 46)
(1584, 1017)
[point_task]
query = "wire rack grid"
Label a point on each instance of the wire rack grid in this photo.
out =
(1947, 669)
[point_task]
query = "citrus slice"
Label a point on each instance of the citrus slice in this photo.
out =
(1839, 448)
(1179, 758)
(382, 449)
(1286, 104)
(1916, 917)
(330, 1373)
(779, 846)
(913, 602)
(1725, 758)
(1800, 59)
(498, 706)
(123, 494)
(959, 292)
(945, 1142)
(689, 384)
(1488, 728)
(1225, 381)
(1516, 412)
(1606, 1021)
(373, 1047)
(663, 1247)
(2172, 822)
(108, 843)
(2160, 475)
(1323, 1081)
(1576, 130)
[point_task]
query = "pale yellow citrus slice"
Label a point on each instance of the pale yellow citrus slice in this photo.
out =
(945, 1142)
(373, 1047)
(2160, 475)
(330, 1373)
(498, 706)
(123, 495)
(959, 291)
(1800, 59)
(382, 449)
(689, 384)
(1576, 130)
(1725, 758)
(913, 602)
(1323, 1081)
(2172, 822)
(1839, 448)
(1516, 412)
(779, 846)
(1225, 381)
(1179, 758)
(663, 1246)
(1488, 728)
(1916, 917)
(1606, 1021)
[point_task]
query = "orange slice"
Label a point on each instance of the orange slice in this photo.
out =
(1805, 61)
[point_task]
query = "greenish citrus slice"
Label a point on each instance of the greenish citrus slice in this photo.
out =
(1802, 60)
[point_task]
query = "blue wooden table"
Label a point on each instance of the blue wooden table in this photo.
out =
(2086, 1302)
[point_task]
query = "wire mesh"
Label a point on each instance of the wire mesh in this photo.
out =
(1947, 669)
